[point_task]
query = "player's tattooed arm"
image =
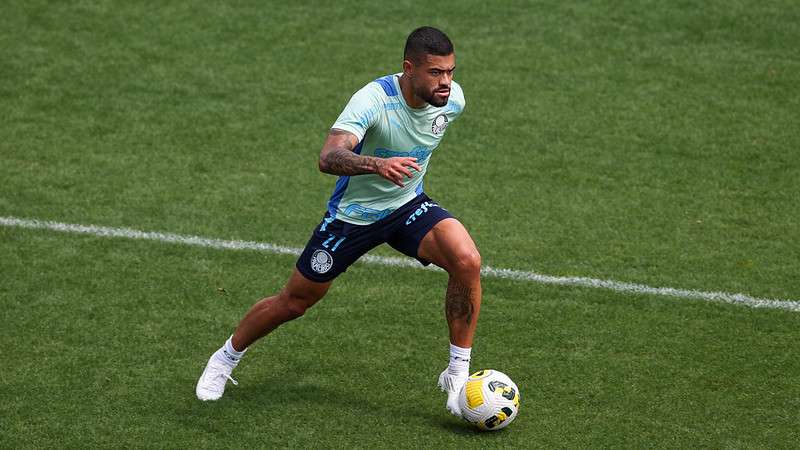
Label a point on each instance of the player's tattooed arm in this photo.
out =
(338, 158)
(458, 303)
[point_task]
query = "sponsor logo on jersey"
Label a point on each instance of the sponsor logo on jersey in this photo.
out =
(420, 152)
(439, 124)
(321, 261)
(357, 211)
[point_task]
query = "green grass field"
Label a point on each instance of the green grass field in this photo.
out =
(645, 142)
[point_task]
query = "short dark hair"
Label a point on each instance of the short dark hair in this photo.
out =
(427, 41)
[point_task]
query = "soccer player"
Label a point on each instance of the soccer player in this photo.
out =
(380, 147)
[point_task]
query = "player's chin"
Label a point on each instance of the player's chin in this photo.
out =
(439, 100)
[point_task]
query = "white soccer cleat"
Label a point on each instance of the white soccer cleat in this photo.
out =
(211, 384)
(452, 384)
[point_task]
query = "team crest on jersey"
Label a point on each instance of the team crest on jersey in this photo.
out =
(439, 124)
(321, 261)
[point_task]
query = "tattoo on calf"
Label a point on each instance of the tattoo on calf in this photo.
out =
(458, 303)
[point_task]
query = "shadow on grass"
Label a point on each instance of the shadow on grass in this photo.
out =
(272, 398)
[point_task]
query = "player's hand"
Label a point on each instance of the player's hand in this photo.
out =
(394, 169)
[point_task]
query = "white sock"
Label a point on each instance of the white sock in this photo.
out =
(229, 355)
(459, 360)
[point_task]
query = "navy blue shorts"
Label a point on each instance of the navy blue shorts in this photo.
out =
(335, 244)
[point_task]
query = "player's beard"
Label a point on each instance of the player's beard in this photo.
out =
(431, 98)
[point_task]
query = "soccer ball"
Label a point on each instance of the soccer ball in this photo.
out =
(489, 400)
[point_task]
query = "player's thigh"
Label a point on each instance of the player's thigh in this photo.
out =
(412, 222)
(449, 245)
(303, 290)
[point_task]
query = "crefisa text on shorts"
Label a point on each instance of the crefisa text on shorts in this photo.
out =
(423, 208)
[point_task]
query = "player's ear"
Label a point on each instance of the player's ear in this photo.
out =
(408, 67)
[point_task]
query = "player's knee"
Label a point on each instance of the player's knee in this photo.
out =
(295, 309)
(295, 305)
(468, 262)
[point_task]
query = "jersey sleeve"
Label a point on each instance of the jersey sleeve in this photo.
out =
(456, 103)
(360, 113)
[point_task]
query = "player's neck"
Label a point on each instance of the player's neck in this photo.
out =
(408, 94)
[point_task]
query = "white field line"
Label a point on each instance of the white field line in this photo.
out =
(491, 272)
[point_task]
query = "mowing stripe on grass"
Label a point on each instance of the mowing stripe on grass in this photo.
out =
(724, 297)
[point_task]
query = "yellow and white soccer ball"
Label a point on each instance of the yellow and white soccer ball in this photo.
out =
(489, 400)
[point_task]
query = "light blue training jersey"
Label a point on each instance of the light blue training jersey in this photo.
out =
(387, 127)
